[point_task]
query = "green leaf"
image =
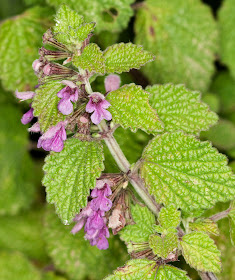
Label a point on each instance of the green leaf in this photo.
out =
(71, 174)
(183, 36)
(91, 59)
(180, 109)
(190, 174)
(163, 245)
(231, 216)
(108, 14)
(200, 252)
(70, 26)
(16, 266)
(123, 57)
(52, 276)
(130, 108)
(205, 225)
(222, 135)
(224, 87)
(169, 217)
(227, 34)
(45, 104)
(17, 190)
(20, 39)
(212, 101)
(75, 256)
(144, 221)
(145, 269)
(23, 233)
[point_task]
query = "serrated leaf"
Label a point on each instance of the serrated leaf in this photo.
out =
(145, 269)
(200, 252)
(70, 26)
(91, 59)
(224, 87)
(130, 108)
(227, 34)
(163, 245)
(186, 172)
(20, 39)
(205, 225)
(169, 217)
(17, 190)
(144, 221)
(180, 108)
(123, 57)
(108, 14)
(222, 135)
(23, 233)
(231, 216)
(45, 104)
(183, 36)
(75, 256)
(14, 266)
(71, 174)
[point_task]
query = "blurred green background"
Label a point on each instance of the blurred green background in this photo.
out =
(194, 44)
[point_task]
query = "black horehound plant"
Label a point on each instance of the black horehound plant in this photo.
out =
(156, 204)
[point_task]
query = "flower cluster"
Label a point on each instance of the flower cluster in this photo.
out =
(93, 216)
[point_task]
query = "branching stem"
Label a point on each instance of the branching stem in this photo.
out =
(220, 215)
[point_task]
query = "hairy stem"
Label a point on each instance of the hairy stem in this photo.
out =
(207, 276)
(124, 164)
(220, 215)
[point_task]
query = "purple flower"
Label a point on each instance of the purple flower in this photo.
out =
(112, 82)
(93, 216)
(24, 95)
(98, 104)
(53, 139)
(68, 95)
(34, 128)
(36, 65)
(27, 117)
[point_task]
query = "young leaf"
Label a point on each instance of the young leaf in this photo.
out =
(163, 245)
(130, 108)
(123, 57)
(205, 225)
(200, 252)
(190, 174)
(183, 36)
(108, 14)
(75, 256)
(17, 190)
(20, 39)
(91, 59)
(231, 216)
(23, 233)
(45, 105)
(180, 109)
(71, 174)
(70, 26)
(227, 34)
(169, 217)
(143, 228)
(145, 269)
(14, 266)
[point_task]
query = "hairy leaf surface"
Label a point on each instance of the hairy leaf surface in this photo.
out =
(71, 174)
(180, 108)
(190, 174)
(130, 108)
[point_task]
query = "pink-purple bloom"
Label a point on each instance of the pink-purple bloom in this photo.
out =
(93, 216)
(27, 117)
(24, 95)
(35, 128)
(68, 95)
(53, 139)
(112, 82)
(98, 105)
